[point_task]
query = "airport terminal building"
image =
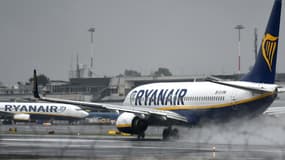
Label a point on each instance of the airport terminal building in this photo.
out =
(100, 89)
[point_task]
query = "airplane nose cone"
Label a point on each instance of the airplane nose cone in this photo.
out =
(84, 114)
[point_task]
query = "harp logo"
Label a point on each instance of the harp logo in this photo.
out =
(269, 45)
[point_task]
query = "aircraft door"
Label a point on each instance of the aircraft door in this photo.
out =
(234, 99)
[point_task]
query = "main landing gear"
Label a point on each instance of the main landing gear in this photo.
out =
(169, 133)
(141, 136)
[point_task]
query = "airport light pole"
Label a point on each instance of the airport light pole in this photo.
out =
(91, 30)
(255, 43)
(239, 28)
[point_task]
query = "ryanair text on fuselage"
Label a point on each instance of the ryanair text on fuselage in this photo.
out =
(34, 108)
(158, 97)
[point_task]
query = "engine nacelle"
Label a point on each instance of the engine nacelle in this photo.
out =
(21, 117)
(130, 123)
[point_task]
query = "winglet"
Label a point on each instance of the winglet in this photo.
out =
(35, 85)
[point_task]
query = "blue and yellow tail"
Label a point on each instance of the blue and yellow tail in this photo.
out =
(264, 68)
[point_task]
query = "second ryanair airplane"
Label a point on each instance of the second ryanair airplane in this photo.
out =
(17, 111)
(190, 103)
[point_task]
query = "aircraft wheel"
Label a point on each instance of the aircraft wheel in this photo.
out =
(175, 133)
(166, 134)
(141, 136)
(169, 133)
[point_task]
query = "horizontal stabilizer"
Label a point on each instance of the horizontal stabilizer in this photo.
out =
(254, 87)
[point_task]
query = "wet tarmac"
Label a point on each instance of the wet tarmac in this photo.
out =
(118, 147)
(262, 138)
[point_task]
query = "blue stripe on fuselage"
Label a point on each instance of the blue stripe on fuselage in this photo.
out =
(224, 114)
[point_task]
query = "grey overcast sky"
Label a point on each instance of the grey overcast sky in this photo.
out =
(187, 36)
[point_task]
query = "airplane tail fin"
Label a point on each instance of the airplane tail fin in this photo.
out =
(264, 68)
(35, 85)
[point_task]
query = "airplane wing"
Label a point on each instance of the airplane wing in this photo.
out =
(121, 108)
(165, 115)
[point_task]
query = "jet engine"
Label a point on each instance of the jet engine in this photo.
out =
(21, 117)
(130, 123)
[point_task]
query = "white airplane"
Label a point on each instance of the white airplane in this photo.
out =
(40, 111)
(191, 103)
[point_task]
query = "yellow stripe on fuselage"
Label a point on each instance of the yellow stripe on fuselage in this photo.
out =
(124, 125)
(169, 108)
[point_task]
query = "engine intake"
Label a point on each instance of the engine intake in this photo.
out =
(130, 123)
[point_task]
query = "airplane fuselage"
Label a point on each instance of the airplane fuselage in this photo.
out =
(41, 110)
(203, 100)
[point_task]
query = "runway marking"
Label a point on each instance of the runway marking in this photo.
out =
(129, 146)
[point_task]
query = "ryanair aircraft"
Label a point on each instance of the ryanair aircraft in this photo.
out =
(40, 111)
(191, 103)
